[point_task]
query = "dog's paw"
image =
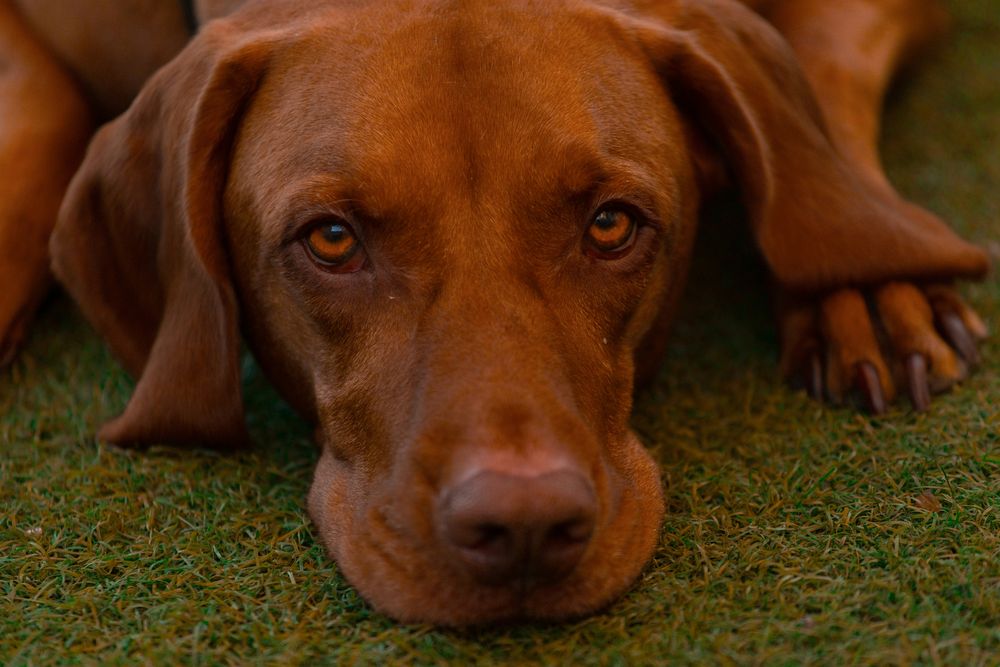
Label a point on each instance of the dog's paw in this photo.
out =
(917, 339)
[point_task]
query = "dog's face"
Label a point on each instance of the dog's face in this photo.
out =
(445, 230)
(467, 246)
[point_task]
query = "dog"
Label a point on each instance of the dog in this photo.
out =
(453, 234)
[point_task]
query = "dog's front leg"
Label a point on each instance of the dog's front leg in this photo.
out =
(44, 127)
(921, 337)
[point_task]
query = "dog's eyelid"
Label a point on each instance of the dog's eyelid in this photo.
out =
(631, 186)
(315, 200)
(301, 222)
(640, 207)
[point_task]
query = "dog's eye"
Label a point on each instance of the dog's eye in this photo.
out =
(611, 234)
(335, 247)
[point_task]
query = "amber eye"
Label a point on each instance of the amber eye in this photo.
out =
(611, 233)
(334, 245)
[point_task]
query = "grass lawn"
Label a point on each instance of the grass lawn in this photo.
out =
(795, 534)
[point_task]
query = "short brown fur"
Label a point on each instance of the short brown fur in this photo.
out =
(469, 143)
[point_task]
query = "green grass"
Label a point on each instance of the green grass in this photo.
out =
(795, 534)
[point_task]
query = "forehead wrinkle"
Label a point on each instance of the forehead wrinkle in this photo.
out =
(445, 129)
(476, 92)
(578, 168)
(311, 192)
(456, 117)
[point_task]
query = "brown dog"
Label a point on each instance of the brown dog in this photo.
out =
(452, 232)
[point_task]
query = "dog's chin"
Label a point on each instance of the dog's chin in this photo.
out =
(413, 580)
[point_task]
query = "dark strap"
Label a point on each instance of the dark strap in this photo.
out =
(190, 16)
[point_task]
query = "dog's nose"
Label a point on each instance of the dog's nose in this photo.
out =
(508, 528)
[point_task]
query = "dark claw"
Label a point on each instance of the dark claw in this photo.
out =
(868, 384)
(960, 338)
(916, 379)
(814, 377)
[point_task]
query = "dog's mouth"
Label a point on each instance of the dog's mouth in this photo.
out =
(463, 560)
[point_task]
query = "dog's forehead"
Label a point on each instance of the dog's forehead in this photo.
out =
(448, 99)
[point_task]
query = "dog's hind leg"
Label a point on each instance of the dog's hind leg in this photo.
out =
(45, 124)
(921, 337)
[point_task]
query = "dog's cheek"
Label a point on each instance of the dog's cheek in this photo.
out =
(607, 367)
(656, 287)
(351, 426)
(328, 501)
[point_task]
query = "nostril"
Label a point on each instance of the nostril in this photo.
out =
(489, 535)
(569, 533)
(469, 533)
(490, 551)
(562, 548)
(490, 543)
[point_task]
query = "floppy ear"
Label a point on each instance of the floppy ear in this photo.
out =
(139, 244)
(819, 223)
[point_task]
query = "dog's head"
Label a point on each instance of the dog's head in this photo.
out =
(445, 228)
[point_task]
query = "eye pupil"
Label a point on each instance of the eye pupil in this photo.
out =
(333, 233)
(606, 220)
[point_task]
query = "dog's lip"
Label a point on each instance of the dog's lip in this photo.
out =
(511, 601)
(397, 565)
